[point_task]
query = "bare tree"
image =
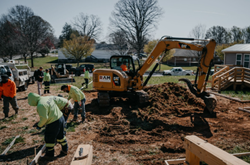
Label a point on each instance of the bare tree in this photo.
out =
(8, 44)
(39, 30)
(219, 34)
(137, 19)
(19, 16)
(198, 31)
(119, 41)
(237, 34)
(88, 25)
(246, 34)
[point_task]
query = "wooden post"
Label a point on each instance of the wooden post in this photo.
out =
(219, 84)
(208, 153)
(235, 76)
(39, 154)
(191, 158)
(243, 78)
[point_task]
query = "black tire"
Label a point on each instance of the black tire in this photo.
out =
(25, 86)
(187, 74)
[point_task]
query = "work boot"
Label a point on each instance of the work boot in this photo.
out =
(16, 111)
(6, 115)
(83, 119)
(75, 118)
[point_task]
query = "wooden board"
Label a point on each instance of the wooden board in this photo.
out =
(39, 154)
(87, 153)
(9, 146)
(209, 153)
(182, 160)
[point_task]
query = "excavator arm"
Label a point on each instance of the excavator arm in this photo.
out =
(204, 66)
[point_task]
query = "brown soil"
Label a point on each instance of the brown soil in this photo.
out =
(126, 133)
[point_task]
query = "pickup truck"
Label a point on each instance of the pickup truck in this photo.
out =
(20, 73)
(81, 69)
(178, 71)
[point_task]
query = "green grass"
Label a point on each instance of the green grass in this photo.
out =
(167, 67)
(240, 149)
(242, 95)
(71, 126)
(8, 141)
(163, 79)
(2, 127)
(47, 61)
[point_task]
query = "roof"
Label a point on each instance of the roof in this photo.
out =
(238, 48)
(185, 53)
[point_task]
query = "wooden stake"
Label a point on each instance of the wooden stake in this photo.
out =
(10, 145)
(39, 154)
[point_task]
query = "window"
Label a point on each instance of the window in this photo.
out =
(185, 59)
(246, 61)
(238, 59)
(194, 59)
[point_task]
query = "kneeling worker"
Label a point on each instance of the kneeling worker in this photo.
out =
(78, 96)
(64, 105)
(52, 118)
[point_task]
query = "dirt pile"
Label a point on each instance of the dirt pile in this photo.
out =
(125, 133)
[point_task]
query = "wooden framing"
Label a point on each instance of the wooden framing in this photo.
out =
(183, 160)
(199, 150)
(9, 146)
(231, 98)
(227, 75)
(39, 154)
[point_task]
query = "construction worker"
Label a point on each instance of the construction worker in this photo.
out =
(86, 77)
(52, 118)
(8, 92)
(38, 74)
(64, 105)
(46, 80)
(124, 66)
(78, 96)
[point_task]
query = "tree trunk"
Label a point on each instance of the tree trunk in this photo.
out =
(25, 58)
(31, 58)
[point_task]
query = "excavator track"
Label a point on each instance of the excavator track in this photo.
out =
(103, 99)
(142, 96)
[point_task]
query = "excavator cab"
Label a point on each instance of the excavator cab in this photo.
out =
(126, 63)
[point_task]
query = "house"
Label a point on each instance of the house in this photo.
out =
(102, 53)
(184, 57)
(237, 54)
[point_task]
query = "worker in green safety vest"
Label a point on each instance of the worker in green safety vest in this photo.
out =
(86, 77)
(52, 118)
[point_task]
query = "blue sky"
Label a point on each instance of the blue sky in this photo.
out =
(179, 17)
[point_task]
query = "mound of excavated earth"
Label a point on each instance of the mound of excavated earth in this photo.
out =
(125, 133)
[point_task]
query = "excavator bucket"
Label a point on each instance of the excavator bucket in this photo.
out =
(209, 99)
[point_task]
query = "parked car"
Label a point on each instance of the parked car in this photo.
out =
(81, 69)
(71, 69)
(178, 71)
(211, 71)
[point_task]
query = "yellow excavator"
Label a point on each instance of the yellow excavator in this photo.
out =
(115, 82)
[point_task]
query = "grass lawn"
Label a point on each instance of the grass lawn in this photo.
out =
(243, 95)
(167, 67)
(47, 61)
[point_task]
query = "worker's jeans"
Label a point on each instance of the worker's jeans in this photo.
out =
(6, 101)
(39, 87)
(69, 109)
(76, 107)
(55, 132)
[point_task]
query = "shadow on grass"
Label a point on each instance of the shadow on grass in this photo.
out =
(21, 154)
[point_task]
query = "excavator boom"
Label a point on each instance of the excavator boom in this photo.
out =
(204, 65)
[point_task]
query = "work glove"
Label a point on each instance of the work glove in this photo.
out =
(80, 103)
